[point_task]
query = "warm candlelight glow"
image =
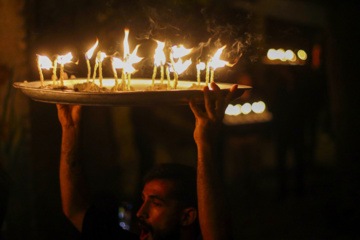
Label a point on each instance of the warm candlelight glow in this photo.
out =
(180, 51)
(181, 66)
(88, 55)
(63, 59)
(232, 110)
(289, 55)
(246, 108)
(126, 44)
(159, 61)
(159, 57)
(258, 107)
(101, 57)
(44, 62)
(200, 66)
(215, 61)
(90, 52)
(133, 58)
(302, 55)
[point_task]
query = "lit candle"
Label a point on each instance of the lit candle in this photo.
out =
(129, 60)
(129, 79)
(115, 74)
(212, 75)
(88, 56)
(54, 77)
(95, 68)
(117, 63)
(174, 70)
(154, 75)
(63, 59)
(200, 66)
(215, 62)
(100, 58)
(159, 60)
(162, 74)
(43, 62)
(207, 73)
(168, 75)
(179, 67)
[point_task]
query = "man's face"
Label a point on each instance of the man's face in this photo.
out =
(160, 213)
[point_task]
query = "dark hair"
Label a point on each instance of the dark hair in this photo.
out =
(184, 178)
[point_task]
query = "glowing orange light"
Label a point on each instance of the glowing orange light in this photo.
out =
(44, 62)
(63, 59)
(102, 57)
(302, 55)
(272, 54)
(232, 110)
(126, 44)
(159, 57)
(200, 66)
(215, 61)
(181, 66)
(258, 107)
(246, 108)
(118, 63)
(180, 51)
(90, 52)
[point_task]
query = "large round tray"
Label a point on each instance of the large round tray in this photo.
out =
(139, 97)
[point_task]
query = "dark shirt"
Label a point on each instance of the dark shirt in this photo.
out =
(102, 223)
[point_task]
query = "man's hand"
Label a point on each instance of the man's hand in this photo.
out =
(69, 115)
(208, 122)
(214, 217)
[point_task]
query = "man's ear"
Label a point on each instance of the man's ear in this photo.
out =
(189, 216)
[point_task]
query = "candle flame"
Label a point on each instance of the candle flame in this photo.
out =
(215, 61)
(181, 66)
(63, 59)
(200, 66)
(180, 51)
(44, 62)
(126, 44)
(117, 63)
(133, 58)
(159, 57)
(90, 52)
(102, 57)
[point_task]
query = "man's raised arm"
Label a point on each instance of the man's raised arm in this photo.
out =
(214, 217)
(74, 193)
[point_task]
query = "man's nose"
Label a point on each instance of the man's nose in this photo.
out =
(143, 211)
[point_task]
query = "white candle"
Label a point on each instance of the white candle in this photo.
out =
(207, 73)
(40, 72)
(54, 77)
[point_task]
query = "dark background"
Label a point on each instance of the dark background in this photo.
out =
(295, 177)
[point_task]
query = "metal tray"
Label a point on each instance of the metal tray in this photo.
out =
(138, 97)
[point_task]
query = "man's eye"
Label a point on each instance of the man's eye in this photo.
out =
(158, 204)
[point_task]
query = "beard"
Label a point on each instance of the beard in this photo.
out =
(149, 233)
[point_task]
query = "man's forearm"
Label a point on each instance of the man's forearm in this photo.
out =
(74, 193)
(213, 213)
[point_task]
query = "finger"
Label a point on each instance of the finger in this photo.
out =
(231, 94)
(195, 109)
(219, 99)
(76, 113)
(208, 104)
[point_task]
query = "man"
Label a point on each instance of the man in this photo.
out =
(163, 214)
